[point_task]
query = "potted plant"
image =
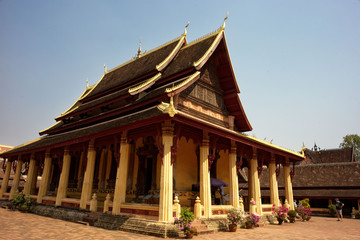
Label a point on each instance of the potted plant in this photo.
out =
(332, 210)
(280, 213)
(251, 220)
(233, 217)
(304, 213)
(184, 222)
(292, 215)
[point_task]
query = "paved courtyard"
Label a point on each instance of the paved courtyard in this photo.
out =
(17, 225)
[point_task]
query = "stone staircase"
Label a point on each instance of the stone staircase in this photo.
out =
(200, 227)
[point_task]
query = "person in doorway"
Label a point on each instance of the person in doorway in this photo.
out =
(339, 205)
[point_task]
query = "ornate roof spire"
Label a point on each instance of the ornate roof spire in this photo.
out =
(185, 32)
(105, 69)
(139, 50)
(87, 83)
(223, 26)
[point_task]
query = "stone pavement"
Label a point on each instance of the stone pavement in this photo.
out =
(16, 225)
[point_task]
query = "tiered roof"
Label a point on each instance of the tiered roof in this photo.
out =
(141, 89)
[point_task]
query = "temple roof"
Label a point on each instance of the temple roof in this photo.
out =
(143, 89)
(329, 156)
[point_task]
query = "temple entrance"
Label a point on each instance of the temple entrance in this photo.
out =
(146, 178)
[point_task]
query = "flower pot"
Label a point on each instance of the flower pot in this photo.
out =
(249, 225)
(280, 220)
(232, 227)
(308, 218)
(189, 235)
(304, 217)
(292, 219)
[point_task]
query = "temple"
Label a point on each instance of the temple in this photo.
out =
(157, 131)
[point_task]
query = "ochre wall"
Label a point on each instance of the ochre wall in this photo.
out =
(222, 168)
(186, 166)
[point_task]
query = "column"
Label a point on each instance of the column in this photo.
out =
(30, 175)
(234, 184)
(5, 181)
(274, 190)
(166, 177)
(121, 175)
(45, 177)
(101, 169)
(288, 184)
(80, 170)
(255, 183)
(15, 183)
(88, 176)
(205, 187)
(64, 177)
(108, 165)
(34, 180)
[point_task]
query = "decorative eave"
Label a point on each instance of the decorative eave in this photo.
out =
(45, 131)
(242, 138)
(200, 63)
(145, 85)
(184, 84)
(220, 34)
(73, 107)
(173, 53)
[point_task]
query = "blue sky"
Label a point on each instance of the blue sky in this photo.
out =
(297, 63)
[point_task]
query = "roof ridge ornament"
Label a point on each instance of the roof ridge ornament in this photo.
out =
(139, 50)
(223, 25)
(185, 32)
(87, 83)
(105, 69)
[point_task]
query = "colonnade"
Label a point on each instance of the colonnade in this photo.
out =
(166, 177)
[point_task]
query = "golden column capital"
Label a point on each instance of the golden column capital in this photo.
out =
(272, 158)
(167, 128)
(47, 153)
(254, 153)
(91, 145)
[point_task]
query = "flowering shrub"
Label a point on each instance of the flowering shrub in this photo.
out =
(184, 221)
(280, 212)
(253, 219)
(233, 216)
(303, 211)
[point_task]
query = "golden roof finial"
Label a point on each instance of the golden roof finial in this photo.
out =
(185, 32)
(87, 83)
(105, 69)
(139, 50)
(223, 26)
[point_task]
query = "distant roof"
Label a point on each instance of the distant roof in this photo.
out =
(330, 156)
(4, 148)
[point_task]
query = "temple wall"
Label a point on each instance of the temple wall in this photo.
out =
(222, 169)
(186, 165)
(138, 144)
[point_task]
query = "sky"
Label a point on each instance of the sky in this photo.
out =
(297, 63)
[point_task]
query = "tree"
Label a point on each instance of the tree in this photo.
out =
(352, 140)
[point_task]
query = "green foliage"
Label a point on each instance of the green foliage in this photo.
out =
(305, 203)
(234, 216)
(292, 213)
(352, 140)
(332, 209)
(21, 202)
(184, 221)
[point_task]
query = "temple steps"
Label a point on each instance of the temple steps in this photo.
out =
(200, 227)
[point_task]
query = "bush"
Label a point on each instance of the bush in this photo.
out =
(234, 216)
(184, 221)
(292, 213)
(21, 202)
(332, 209)
(305, 203)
